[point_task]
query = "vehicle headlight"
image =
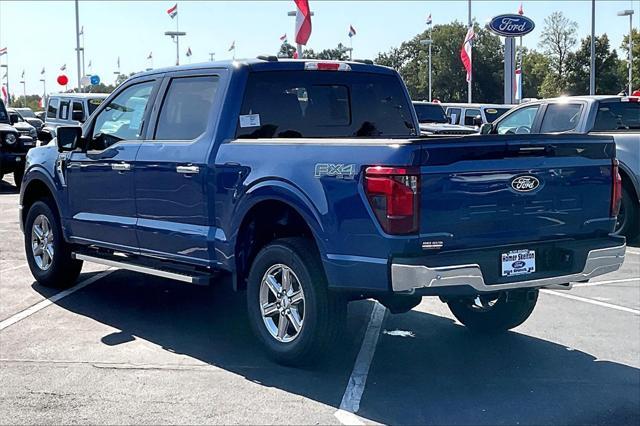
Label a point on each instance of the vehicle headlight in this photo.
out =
(10, 139)
(33, 132)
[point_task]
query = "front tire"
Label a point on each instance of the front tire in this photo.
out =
(48, 255)
(495, 313)
(291, 310)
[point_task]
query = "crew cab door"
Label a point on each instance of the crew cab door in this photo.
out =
(99, 177)
(174, 200)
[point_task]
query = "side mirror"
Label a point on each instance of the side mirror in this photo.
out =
(77, 116)
(477, 121)
(68, 137)
(486, 128)
(45, 136)
(13, 118)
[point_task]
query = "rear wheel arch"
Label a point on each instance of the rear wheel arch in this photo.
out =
(264, 222)
(629, 182)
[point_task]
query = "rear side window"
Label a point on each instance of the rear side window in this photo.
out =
(469, 115)
(561, 118)
(52, 108)
(454, 115)
(324, 104)
(64, 110)
(617, 116)
(185, 111)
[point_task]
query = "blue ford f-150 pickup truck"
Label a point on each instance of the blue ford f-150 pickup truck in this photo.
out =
(309, 184)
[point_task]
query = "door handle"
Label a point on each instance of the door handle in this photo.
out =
(188, 170)
(121, 167)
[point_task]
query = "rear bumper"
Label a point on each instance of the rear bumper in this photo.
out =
(466, 278)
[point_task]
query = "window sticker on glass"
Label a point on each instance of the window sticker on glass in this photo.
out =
(250, 120)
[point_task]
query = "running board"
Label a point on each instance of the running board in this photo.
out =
(178, 276)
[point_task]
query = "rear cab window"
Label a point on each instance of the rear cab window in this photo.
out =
(454, 115)
(430, 113)
(617, 117)
(324, 104)
(52, 108)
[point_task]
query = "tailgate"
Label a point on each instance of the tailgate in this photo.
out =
(498, 190)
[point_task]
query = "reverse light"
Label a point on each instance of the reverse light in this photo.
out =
(616, 190)
(393, 193)
(326, 66)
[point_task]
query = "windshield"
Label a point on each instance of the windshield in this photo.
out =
(430, 113)
(324, 104)
(26, 112)
(492, 114)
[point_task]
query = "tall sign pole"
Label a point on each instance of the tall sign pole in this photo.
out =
(78, 44)
(592, 73)
(469, 83)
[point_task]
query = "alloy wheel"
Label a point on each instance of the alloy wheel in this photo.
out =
(282, 303)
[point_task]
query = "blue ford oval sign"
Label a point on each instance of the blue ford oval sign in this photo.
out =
(95, 80)
(511, 25)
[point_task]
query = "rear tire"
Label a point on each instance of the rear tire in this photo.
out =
(48, 255)
(491, 314)
(627, 222)
(18, 174)
(314, 317)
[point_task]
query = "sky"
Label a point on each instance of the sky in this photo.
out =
(42, 33)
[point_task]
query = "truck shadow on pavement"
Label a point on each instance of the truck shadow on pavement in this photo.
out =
(7, 188)
(444, 374)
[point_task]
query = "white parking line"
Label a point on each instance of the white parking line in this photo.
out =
(353, 393)
(633, 251)
(53, 299)
(595, 283)
(593, 302)
(13, 268)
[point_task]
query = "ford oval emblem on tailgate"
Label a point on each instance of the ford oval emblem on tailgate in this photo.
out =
(525, 183)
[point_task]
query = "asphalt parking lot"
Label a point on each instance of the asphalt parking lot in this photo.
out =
(126, 348)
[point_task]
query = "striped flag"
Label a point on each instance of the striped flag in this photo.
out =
(429, 20)
(232, 47)
(352, 31)
(5, 94)
(303, 21)
(189, 52)
(3, 51)
(173, 11)
(63, 67)
(42, 72)
(283, 38)
(150, 56)
(466, 53)
(22, 76)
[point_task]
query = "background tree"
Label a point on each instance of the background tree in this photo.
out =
(636, 59)
(608, 77)
(286, 50)
(557, 40)
(535, 67)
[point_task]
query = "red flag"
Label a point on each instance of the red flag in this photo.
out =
(173, 11)
(520, 10)
(5, 95)
(465, 52)
(303, 21)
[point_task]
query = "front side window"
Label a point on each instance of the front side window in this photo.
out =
(454, 115)
(561, 118)
(186, 108)
(518, 122)
(122, 117)
(470, 115)
(52, 108)
(324, 104)
(617, 116)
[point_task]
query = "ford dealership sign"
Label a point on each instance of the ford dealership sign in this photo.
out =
(511, 25)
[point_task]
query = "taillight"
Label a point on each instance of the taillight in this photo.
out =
(616, 190)
(393, 193)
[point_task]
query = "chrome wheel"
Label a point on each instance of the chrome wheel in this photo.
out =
(282, 303)
(42, 242)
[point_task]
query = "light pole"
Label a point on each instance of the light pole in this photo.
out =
(175, 36)
(24, 92)
(78, 45)
(428, 42)
(629, 13)
(592, 74)
(298, 46)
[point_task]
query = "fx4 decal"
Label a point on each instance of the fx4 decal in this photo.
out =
(340, 171)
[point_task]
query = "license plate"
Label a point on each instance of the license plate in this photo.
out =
(518, 262)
